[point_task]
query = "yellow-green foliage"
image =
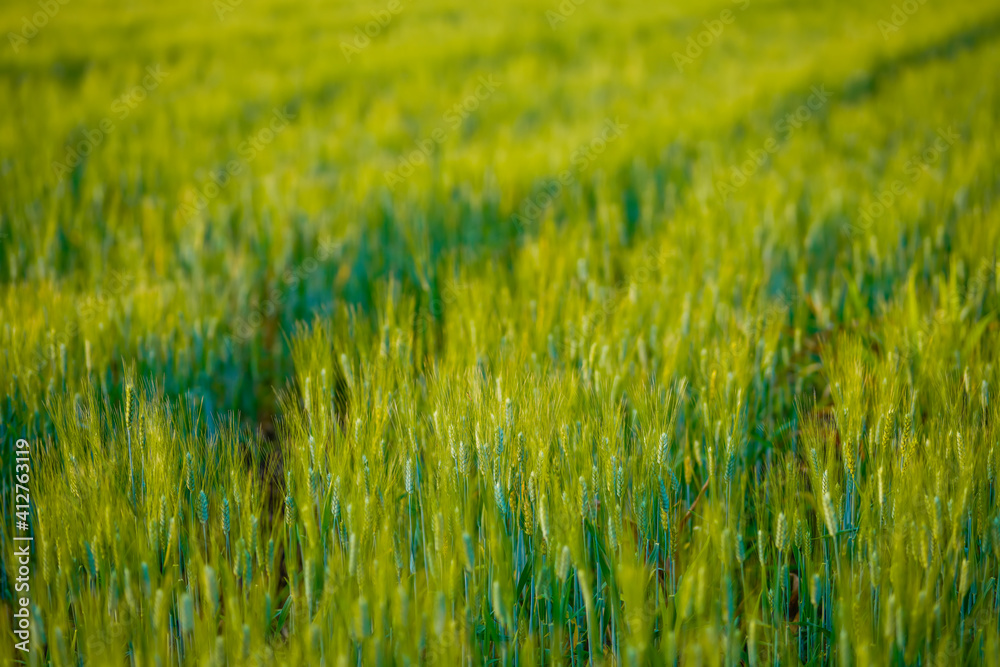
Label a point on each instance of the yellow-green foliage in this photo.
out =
(521, 333)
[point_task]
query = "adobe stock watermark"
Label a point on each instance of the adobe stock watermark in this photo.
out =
(30, 26)
(89, 308)
(563, 11)
(447, 297)
(914, 168)
(901, 13)
(696, 44)
(453, 117)
(247, 151)
(223, 8)
(618, 293)
(244, 327)
(532, 206)
(363, 35)
(741, 173)
(121, 108)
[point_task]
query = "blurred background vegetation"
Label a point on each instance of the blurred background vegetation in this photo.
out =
(468, 284)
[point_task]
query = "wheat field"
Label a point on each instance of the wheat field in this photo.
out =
(582, 332)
